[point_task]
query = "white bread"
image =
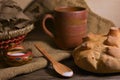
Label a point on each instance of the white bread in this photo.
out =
(99, 53)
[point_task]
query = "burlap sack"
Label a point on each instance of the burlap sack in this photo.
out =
(96, 24)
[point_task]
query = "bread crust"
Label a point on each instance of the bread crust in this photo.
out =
(99, 53)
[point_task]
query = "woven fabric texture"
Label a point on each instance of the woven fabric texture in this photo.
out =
(96, 24)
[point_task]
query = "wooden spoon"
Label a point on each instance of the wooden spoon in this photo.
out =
(59, 68)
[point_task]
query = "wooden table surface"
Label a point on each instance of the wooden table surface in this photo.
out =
(49, 74)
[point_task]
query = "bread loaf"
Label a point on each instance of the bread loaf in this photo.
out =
(99, 53)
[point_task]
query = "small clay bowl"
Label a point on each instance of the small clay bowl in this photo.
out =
(17, 58)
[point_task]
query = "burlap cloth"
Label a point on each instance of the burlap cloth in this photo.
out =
(96, 24)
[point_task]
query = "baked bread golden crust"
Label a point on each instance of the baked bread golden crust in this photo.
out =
(99, 53)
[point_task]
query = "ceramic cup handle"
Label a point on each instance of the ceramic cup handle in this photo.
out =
(48, 32)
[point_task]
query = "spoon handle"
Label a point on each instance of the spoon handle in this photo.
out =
(45, 53)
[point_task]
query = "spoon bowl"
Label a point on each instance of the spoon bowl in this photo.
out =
(62, 70)
(59, 68)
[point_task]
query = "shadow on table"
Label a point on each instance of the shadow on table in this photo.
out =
(80, 72)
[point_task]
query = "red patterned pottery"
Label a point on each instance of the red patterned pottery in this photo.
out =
(18, 57)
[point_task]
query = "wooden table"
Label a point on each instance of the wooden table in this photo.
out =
(49, 74)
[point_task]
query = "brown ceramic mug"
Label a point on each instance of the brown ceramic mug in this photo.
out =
(70, 25)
